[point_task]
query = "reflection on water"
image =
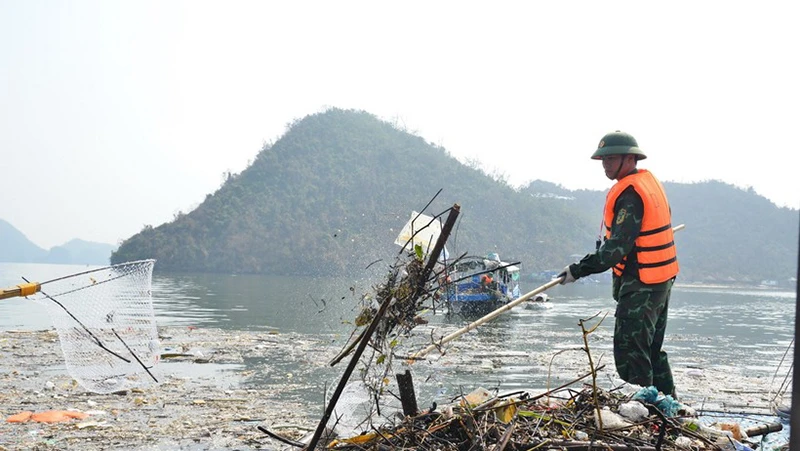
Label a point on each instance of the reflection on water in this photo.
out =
(249, 302)
(744, 330)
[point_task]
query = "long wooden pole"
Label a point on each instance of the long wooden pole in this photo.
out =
(487, 318)
(25, 289)
(490, 316)
(30, 288)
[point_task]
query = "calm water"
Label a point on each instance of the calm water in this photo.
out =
(742, 331)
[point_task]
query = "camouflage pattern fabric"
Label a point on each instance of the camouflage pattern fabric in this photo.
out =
(641, 320)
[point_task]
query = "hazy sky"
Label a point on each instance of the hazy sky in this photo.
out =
(117, 114)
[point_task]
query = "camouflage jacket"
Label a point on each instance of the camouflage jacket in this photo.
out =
(624, 232)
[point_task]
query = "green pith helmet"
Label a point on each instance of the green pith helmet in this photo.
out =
(618, 143)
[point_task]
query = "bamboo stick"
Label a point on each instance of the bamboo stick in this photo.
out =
(486, 318)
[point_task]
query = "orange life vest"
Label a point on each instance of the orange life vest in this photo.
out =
(655, 247)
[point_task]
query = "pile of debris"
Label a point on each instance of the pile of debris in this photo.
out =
(563, 419)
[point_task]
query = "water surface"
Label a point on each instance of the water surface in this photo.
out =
(741, 331)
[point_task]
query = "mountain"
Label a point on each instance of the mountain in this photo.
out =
(330, 196)
(17, 248)
(80, 252)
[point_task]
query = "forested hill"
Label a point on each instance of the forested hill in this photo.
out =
(330, 196)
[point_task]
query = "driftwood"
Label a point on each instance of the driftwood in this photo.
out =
(405, 383)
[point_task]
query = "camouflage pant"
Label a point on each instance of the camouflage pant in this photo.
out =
(641, 320)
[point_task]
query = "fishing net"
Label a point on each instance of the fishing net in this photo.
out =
(106, 325)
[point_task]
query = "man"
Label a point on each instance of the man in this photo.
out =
(639, 246)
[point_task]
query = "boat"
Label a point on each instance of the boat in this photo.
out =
(539, 302)
(479, 285)
(470, 284)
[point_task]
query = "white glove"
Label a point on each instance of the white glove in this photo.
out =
(566, 276)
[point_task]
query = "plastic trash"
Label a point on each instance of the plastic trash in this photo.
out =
(665, 404)
(582, 436)
(707, 431)
(49, 416)
(646, 394)
(634, 411)
(735, 429)
(668, 405)
(611, 420)
(477, 396)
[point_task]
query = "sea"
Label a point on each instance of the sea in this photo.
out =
(720, 339)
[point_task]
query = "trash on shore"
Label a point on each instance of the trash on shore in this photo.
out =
(564, 418)
(48, 416)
